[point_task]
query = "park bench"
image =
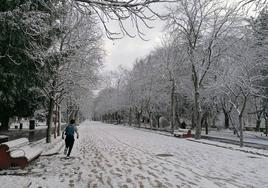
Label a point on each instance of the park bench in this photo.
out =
(17, 153)
(3, 138)
(183, 133)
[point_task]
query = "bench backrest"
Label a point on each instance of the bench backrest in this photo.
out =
(16, 143)
(183, 130)
(3, 136)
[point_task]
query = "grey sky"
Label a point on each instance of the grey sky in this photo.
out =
(125, 51)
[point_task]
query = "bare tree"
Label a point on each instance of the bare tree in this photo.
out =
(200, 24)
(172, 65)
(72, 60)
(259, 3)
(239, 79)
(140, 12)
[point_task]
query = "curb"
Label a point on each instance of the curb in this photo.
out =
(228, 147)
(198, 141)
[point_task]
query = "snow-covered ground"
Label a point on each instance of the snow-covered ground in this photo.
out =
(26, 124)
(117, 156)
(249, 136)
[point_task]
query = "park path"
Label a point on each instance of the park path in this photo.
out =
(117, 156)
(100, 158)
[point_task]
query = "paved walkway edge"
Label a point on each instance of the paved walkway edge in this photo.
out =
(229, 146)
(208, 142)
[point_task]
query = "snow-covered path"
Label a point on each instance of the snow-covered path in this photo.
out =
(117, 156)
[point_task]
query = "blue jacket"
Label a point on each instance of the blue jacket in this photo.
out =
(70, 129)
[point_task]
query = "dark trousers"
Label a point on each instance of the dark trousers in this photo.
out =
(69, 142)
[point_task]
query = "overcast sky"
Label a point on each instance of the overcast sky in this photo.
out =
(125, 51)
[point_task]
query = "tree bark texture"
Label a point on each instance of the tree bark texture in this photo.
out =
(241, 125)
(258, 124)
(241, 130)
(226, 119)
(49, 119)
(173, 107)
(197, 107)
(266, 126)
(59, 122)
(130, 117)
(197, 115)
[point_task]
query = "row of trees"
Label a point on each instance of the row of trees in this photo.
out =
(50, 52)
(214, 59)
(50, 56)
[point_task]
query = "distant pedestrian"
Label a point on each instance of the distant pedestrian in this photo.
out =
(69, 131)
(183, 125)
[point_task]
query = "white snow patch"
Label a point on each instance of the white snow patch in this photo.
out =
(117, 156)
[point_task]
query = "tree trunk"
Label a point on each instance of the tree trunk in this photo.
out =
(206, 125)
(173, 107)
(226, 119)
(197, 107)
(49, 119)
(158, 122)
(76, 115)
(4, 123)
(198, 127)
(72, 115)
(59, 122)
(193, 119)
(119, 117)
(55, 121)
(67, 111)
(130, 117)
(139, 119)
(241, 131)
(177, 113)
(106, 118)
(266, 126)
(241, 122)
(204, 122)
(151, 120)
(258, 124)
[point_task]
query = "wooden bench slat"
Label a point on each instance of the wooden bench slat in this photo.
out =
(16, 143)
(19, 152)
(33, 154)
(26, 151)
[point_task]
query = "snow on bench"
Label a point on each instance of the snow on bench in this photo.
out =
(16, 143)
(17, 153)
(3, 138)
(182, 133)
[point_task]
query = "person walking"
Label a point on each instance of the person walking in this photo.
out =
(69, 131)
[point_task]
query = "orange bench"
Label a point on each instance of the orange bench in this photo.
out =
(183, 133)
(17, 153)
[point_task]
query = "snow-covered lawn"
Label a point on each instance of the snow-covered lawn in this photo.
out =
(249, 136)
(26, 124)
(117, 156)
